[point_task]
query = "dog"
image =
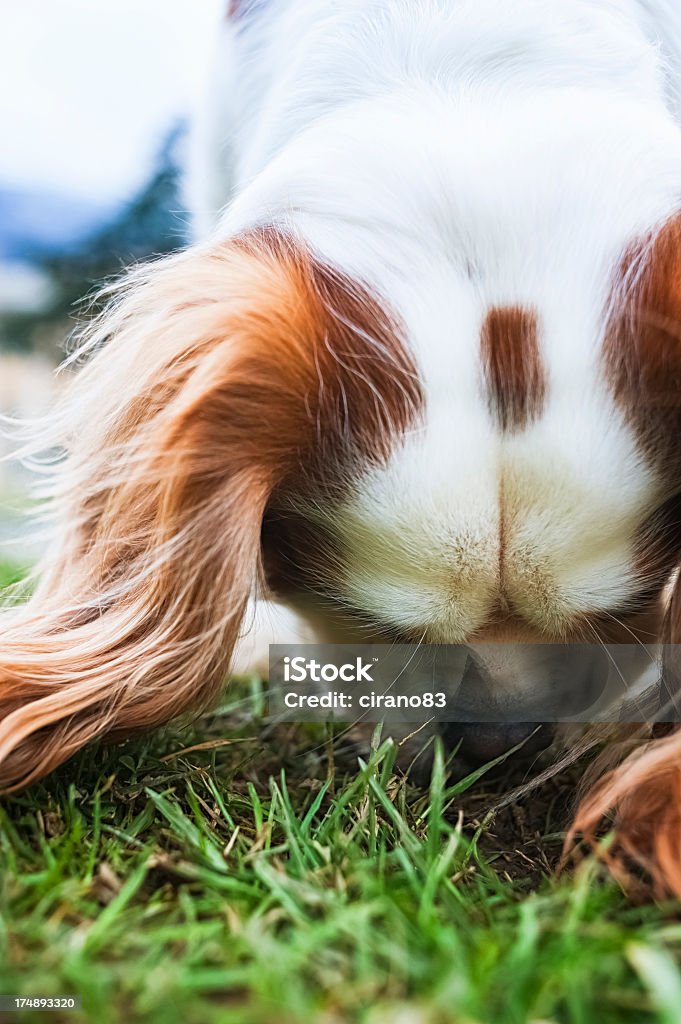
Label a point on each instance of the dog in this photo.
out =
(417, 378)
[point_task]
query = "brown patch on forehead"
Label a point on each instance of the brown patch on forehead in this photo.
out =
(642, 345)
(514, 375)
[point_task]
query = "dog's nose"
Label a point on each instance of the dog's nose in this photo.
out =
(481, 742)
(559, 682)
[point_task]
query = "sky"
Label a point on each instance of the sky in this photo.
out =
(88, 89)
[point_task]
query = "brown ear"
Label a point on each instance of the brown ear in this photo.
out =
(219, 369)
(642, 362)
(642, 794)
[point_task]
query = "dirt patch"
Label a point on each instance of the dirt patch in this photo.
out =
(524, 839)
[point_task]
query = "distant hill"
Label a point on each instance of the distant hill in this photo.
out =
(70, 246)
(35, 222)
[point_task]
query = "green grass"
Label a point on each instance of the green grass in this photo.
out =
(10, 573)
(269, 877)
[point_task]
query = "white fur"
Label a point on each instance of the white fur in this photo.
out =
(455, 156)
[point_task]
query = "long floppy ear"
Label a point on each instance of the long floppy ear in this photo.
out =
(643, 366)
(204, 393)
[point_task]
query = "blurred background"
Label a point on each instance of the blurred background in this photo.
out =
(95, 97)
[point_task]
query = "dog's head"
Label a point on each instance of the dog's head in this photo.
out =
(260, 408)
(519, 479)
(517, 490)
(259, 419)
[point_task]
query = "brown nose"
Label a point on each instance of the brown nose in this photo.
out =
(482, 742)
